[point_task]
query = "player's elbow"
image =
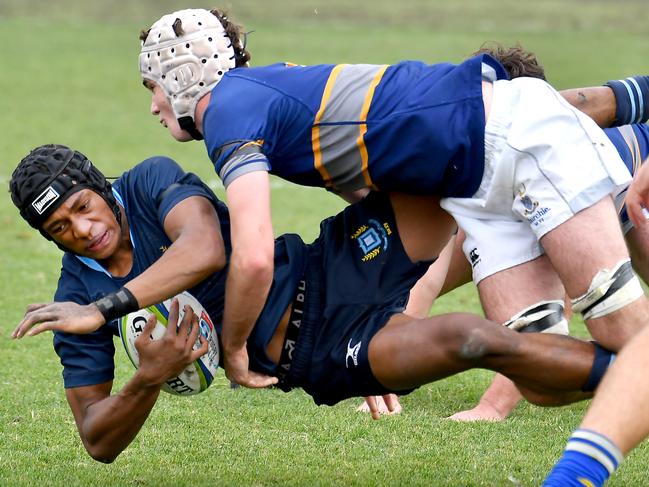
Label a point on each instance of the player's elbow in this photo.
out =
(101, 454)
(101, 449)
(256, 266)
(213, 257)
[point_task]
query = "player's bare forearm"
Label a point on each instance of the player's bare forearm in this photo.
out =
(246, 290)
(250, 271)
(108, 426)
(250, 275)
(197, 251)
(598, 102)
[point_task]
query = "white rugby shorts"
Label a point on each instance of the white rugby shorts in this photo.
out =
(544, 162)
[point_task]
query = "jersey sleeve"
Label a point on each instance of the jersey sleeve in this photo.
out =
(86, 359)
(241, 125)
(237, 159)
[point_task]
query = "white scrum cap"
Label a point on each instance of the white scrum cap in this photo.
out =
(189, 64)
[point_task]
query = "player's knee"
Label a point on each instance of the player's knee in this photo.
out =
(473, 338)
(609, 291)
(542, 317)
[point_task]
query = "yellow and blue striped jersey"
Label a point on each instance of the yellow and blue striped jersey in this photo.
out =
(408, 127)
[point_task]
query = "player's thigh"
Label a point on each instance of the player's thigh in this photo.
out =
(425, 228)
(507, 292)
(589, 243)
(585, 244)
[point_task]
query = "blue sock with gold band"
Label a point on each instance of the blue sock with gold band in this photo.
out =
(588, 461)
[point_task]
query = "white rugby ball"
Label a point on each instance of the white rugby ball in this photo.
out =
(198, 375)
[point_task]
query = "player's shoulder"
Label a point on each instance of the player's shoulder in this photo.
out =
(71, 263)
(154, 164)
(147, 173)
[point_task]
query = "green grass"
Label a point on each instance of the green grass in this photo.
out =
(70, 76)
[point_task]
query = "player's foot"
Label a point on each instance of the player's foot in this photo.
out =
(482, 412)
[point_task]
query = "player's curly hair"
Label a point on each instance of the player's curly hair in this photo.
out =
(517, 61)
(234, 31)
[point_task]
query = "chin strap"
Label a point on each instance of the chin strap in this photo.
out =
(188, 124)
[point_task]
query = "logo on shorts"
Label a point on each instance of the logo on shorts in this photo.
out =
(531, 208)
(372, 238)
(44, 200)
(474, 257)
(529, 205)
(352, 352)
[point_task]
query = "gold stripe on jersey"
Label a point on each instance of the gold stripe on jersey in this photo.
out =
(634, 146)
(315, 131)
(361, 137)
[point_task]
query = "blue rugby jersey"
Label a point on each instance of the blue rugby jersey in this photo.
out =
(148, 192)
(632, 142)
(410, 127)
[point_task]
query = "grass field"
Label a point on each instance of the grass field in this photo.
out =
(69, 75)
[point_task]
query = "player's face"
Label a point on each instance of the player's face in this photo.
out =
(161, 108)
(85, 225)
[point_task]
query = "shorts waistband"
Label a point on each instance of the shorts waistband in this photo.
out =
(301, 330)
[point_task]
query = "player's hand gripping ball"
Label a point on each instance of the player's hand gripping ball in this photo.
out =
(198, 375)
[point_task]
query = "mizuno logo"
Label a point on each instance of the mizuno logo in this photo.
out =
(45, 199)
(352, 352)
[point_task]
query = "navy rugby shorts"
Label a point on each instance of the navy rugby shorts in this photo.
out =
(357, 277)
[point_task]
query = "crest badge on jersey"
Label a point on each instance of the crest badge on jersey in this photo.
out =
(372, 239)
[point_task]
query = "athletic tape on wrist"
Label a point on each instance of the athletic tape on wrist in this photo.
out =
(117, 304)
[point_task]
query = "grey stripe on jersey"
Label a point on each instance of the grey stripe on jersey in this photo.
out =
(632, 142)
(248, 158)
(340, 126)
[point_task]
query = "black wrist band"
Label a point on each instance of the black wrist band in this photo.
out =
(117, 304)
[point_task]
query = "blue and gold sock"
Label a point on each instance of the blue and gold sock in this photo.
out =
(588, 461)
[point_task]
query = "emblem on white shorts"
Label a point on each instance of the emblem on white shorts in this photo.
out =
(352, 352)
(528, 204)
(531, 208)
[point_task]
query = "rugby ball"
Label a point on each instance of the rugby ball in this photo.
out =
(198, 375)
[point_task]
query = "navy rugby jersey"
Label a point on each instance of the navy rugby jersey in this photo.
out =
(411, 126)
(148, 192)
